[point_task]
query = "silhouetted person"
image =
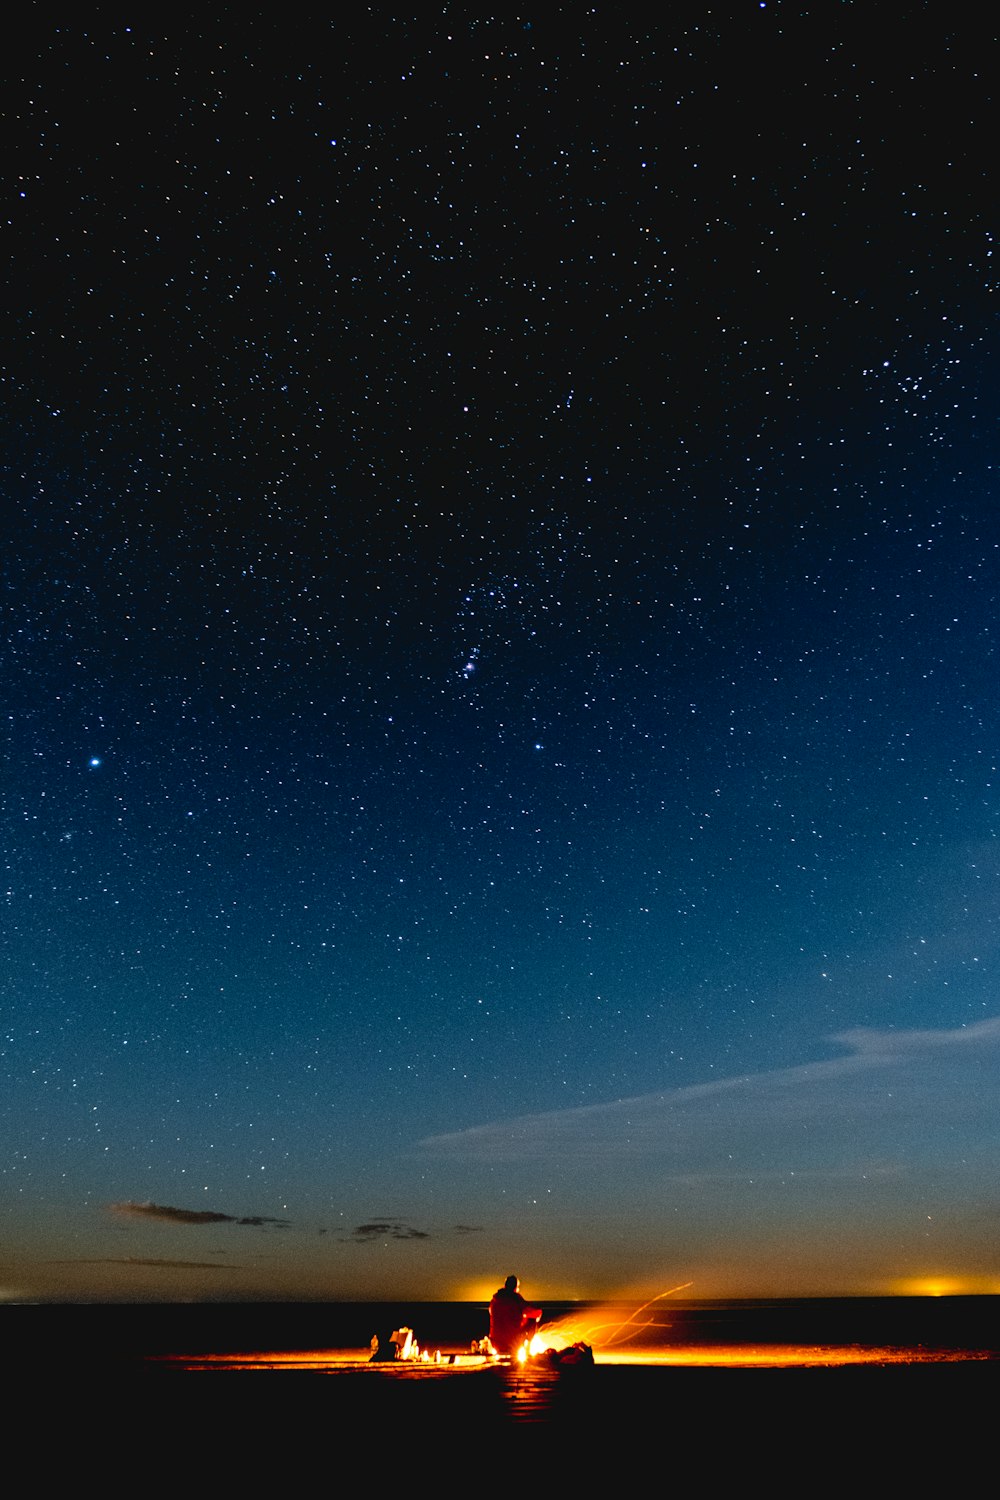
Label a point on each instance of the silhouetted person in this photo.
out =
(511, 1319)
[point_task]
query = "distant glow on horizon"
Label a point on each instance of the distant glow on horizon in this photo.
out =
(946, 1286)
(479, 1290)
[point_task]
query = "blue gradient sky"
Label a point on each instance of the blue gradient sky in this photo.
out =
(500, 623)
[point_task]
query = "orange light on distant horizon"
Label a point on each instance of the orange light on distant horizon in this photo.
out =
(946, 1286)
(480, 1290)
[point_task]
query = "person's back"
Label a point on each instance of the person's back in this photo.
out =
(510, 1317)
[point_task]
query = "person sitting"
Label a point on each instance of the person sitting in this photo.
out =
(511, 1319)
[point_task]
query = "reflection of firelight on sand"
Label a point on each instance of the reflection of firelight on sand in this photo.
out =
(638, 1340)
(778, 1356)
(748, 1357)
(601, 1336)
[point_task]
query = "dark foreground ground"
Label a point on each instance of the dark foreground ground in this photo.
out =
(111, 1392)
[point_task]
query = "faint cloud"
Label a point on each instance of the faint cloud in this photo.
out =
(135, 1260)
(165, 1213)
(899, 1099)
(170, 1215)
(387, 1229)
(468, 1228)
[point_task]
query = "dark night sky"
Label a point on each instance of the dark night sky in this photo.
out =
(500, 601)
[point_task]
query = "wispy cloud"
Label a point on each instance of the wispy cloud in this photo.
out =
(140, 1262)
(191, 1216)
(895, 1097)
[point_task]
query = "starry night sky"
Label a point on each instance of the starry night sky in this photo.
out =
(500, 617)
